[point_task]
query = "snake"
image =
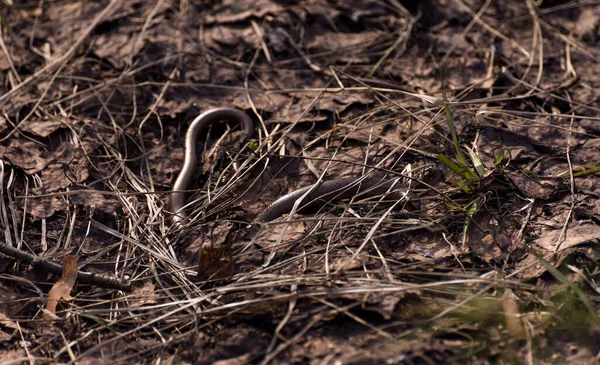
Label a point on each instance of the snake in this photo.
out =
(341, 188)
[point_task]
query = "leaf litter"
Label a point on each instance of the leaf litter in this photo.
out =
(95, 104)
(62, 288)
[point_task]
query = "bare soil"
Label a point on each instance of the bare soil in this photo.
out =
(491, 255)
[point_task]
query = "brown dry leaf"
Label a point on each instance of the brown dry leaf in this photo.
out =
(427, 246)
(45, 207)
(231, 40)
(345, 162)
(535, 188)
(272, 101)
(60, 168)
(386, 304)
(217, 235)
(488, 237)
(59, 35)
(174, 103)
(237, 345)
(367, 134)
(120, 45)
(549, 241)
(587, 22)
(216, 262)
(4, 65)
(4, 337)
(7, 322)
(165, 160)
(347, 262)
(574, 236)
(270, 237)
(459, 71)
(26, 155)
(319, 110)
(62, 288)
(232, 141)
(322, 346)
(106, 44)
(238, 360)
(60, 176)
(3, 121)
(400, 305)
(232, 11)
(493, 139)
(100, 203)
(44, 128)
(257, 197)
(10, 356)
(349, 44)
(143, 295)
(216, 258)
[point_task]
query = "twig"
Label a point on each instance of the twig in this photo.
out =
(82, 277)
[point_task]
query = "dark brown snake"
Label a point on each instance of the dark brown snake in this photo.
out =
(328, 190)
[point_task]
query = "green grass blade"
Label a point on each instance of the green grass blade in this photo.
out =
(574, 287)
(479, 167)
(466, 173)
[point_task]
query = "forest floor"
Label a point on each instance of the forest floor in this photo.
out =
(486, 113)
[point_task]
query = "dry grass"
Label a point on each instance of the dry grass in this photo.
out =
(444, 274)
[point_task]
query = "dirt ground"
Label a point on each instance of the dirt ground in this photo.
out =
(486, 113)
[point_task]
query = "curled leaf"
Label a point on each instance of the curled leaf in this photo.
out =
(62, 288)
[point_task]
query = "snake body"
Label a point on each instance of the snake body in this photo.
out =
(188, 171)
(329, 190)
(326, 191)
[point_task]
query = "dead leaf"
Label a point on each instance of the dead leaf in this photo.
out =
(238, 346)
(327, 103)
(143, 296)
(216, 258)
(100, 203)
(347, 44)
(387, 304)
(347, 262)
(46, 207)
(232, 11)
(427, 246)
(4, 337)
(63, 287)
(44, 128)
(366, 134)
(13, 356)
(535, 188)
(3, 121)
(487, 237)
(216, 262)
(270, 237)
(106, 45)
(59, 38)
(587, 22)
(550, 241)
(26, 155)
(7, 322)
(574, 236)
(230, 38)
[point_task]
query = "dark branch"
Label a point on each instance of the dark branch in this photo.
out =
(51, 267)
